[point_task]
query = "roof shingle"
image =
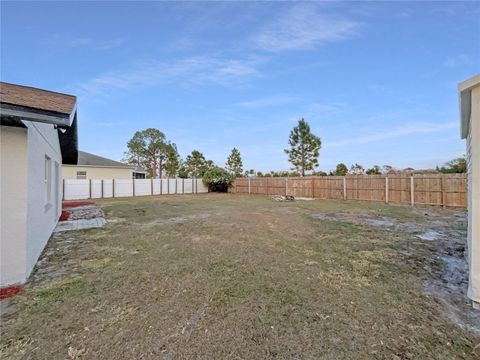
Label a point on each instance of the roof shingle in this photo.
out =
(37, 98)
(85, 158)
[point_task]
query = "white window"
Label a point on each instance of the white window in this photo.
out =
(48, 180)
(81, 175)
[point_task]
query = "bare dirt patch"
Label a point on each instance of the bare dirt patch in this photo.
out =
(175, 220)
(447, 232)
(257, 279)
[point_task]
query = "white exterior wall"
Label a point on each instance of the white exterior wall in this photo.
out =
(27, 218)
(13, 200)
(473, 157)
(42, 217)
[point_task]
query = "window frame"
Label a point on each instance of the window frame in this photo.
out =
(47, 179)
(81, 177)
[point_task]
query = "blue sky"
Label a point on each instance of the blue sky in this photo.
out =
(375, 80)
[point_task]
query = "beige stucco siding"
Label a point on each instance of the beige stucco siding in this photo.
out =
(70, 172)
(13, 200)
(473, 154)
(42, 214)
(30, 204)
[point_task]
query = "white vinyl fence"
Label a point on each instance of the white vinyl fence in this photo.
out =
(74, 189)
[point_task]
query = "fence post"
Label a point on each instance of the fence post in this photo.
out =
(63, 189)
(412, 191)
(286, 186)
(386, 189)
(89, 188)
(168, 185)
(102, 187)
(151, 186)
(344, 188)
(313, 188)
(133, 186)
(183, 186)
(444, 194)
(113, 187)
(249, 185)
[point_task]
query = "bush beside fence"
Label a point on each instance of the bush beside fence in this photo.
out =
(428, 189)
(74, 189)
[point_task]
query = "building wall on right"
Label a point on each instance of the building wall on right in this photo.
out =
(473, 157)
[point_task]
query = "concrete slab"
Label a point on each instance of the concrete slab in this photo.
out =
(6, 307)
(80, 224)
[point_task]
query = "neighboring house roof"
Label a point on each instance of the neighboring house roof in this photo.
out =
(20, 103)
(88, 159)
(465, 90)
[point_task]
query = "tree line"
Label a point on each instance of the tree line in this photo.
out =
(150, 150)
(304, 153)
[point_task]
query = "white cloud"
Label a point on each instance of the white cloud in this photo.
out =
(457, 61)
(108, 44)
(304, 27)
(323, 109)
(407, 129)
(84, 42)
(267, 102)
(193, 70)
(226, 71)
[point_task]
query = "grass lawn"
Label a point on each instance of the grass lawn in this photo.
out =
(236, 277)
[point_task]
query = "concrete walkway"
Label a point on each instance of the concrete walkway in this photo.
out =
(80, 224)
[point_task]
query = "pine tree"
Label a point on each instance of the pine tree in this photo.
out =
(149, 149)
(304, 148)
(357, 169)
(341, 170)
(172, 163)
(234, 163)
(375, 170)
(195, 164)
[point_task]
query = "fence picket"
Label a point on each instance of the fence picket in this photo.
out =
(429, 189)
(412, 191)
(386, 189)
(76, 189)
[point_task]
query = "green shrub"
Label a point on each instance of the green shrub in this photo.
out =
(217, 179)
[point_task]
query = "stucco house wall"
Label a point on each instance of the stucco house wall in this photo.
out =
(42, 214)
(470, 118)
(38, 131)
(93, 172)
(30, 216)
(13, 200)
(474, 195)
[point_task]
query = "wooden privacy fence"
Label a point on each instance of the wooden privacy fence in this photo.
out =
(74, 189)
(427, 189)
